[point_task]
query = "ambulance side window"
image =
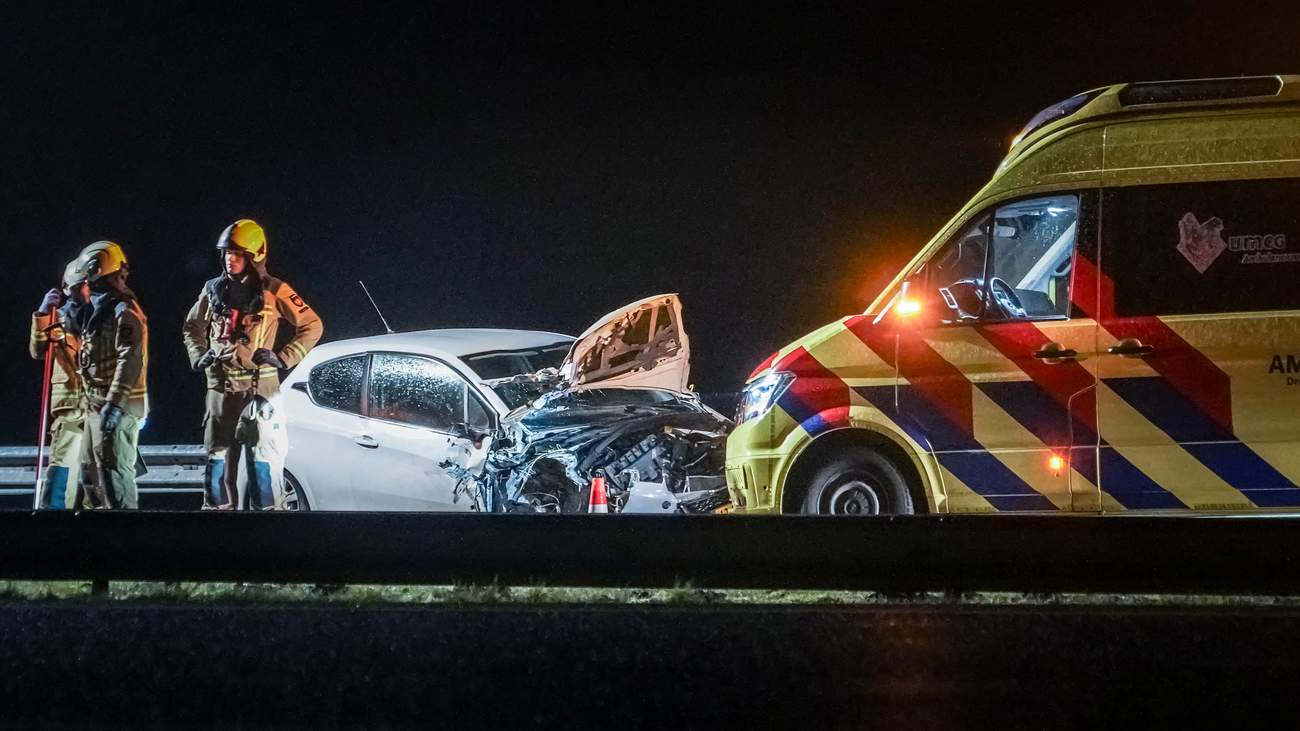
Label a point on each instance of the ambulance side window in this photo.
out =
(1031, 254)
(955, 274)
(1012, 264)
(1203, 248)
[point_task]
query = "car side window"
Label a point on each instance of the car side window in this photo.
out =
(336, 384)
(417, 391)
(476, 415)
(1014, 264)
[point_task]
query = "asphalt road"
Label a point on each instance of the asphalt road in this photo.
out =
(115, 664)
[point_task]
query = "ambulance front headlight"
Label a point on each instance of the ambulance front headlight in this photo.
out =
(758, 397)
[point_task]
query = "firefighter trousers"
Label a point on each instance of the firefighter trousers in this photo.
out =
(112, 460)
(244, 431)
(61, 476)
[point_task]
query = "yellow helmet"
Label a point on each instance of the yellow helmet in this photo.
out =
(247, 236)
(100, 259)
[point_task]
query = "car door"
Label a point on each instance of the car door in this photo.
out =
(1199, 398)
(1002, 386)
(324, 421)
(413, 402)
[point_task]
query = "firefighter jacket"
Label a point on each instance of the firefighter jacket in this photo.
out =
(113, 359)
(65, 382)
(236, 319)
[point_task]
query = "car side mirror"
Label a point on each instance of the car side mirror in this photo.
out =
(461, 430)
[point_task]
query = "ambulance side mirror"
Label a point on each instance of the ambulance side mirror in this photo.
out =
(912, 308)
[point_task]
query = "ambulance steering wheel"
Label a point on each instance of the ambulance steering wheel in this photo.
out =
(1006, 297)
(964, 299)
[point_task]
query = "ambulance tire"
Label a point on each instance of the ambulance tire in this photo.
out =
(858, 481)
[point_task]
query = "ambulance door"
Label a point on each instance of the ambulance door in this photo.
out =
(1200, 394)
(1003, 387)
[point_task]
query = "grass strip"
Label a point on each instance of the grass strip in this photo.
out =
(492, 594)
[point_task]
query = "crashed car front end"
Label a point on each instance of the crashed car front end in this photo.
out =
(658, 451)
(618, 407)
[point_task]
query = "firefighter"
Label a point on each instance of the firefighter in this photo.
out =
(231, 335)
(66, 417)
(113, 361)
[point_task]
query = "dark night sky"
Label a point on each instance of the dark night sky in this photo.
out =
(537, 168)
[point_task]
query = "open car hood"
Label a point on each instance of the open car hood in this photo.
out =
(642, 345)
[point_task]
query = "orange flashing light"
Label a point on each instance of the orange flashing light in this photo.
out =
(1056, 463)
(908, 307)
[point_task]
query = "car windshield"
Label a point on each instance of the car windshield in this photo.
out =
(510, 373)
(506, 363)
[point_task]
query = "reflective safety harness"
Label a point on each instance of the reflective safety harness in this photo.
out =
(226, 323)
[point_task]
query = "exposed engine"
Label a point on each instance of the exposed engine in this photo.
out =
(686, 463)
(658, 453)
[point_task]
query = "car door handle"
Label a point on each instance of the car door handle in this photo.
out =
(1130, 348)
(1054, 351)
(367, 441)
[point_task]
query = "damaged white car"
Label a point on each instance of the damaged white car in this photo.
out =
(507, 420)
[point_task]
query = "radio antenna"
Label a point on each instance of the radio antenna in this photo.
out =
(372, 304)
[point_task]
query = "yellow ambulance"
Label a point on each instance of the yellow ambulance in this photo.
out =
(1111, 324)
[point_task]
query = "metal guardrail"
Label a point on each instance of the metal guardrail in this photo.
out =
(169, 464)
(905, 554)
(174, 480)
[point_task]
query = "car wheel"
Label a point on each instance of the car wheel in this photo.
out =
(294, 498)
(539, 502)
(858, 482)
(549, 490)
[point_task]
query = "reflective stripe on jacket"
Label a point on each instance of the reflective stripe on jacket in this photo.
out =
(234, 368)
(114, 356)
(65, 382)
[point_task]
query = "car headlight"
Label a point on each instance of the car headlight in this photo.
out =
(758, 397)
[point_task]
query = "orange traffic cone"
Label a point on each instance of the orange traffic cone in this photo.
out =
(598, 503)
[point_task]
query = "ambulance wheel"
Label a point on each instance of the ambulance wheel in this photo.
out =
(294, 498)
(856, 482)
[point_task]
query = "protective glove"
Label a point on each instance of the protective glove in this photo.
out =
(206, 360)
(264, 357)
(110, 416)
(53, 300)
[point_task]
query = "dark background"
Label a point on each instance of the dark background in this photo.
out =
(537, 167)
